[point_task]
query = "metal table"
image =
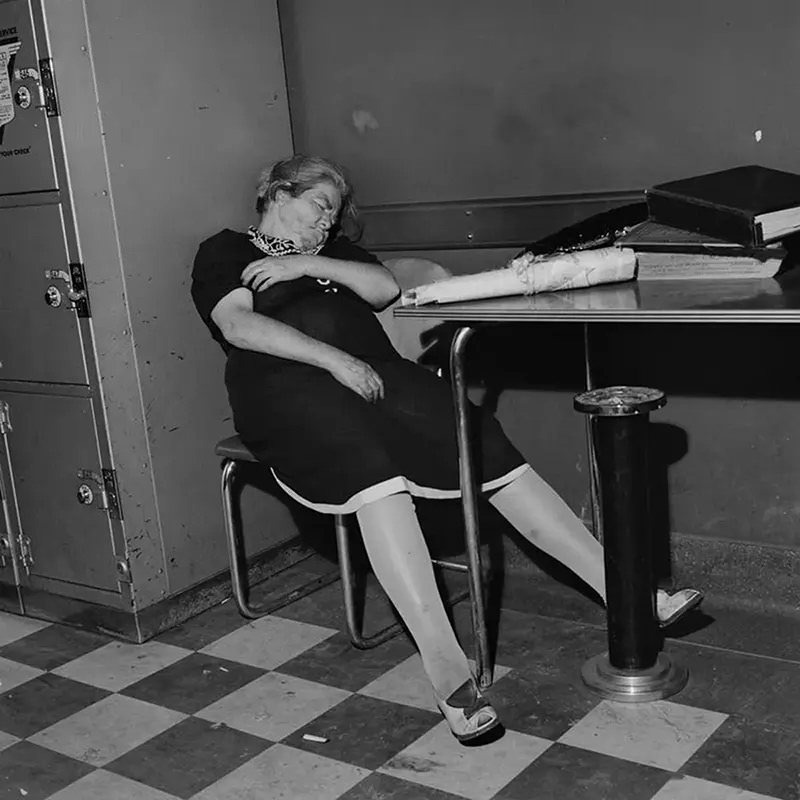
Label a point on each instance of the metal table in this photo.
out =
(772, 300)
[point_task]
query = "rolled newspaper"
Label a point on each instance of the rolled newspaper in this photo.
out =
(530, 274)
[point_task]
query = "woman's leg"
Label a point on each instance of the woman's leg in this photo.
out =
(544, 519)
(400, 558)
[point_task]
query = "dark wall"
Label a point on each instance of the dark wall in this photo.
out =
(459, 99)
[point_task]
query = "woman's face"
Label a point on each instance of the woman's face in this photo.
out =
(308, 218)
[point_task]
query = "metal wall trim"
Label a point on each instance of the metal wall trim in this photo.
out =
(472, 224)
(49, 198)
(35, 387)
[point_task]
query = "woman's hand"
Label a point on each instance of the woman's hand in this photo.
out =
(265, 272)
(357, 375)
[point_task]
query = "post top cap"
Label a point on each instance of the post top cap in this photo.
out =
(620, 401)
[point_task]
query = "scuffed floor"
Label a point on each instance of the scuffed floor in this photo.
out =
(220, 708)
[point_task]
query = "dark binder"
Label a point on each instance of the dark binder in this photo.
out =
(751, 205)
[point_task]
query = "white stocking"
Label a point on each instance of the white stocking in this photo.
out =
(545, 520)
(402, 564)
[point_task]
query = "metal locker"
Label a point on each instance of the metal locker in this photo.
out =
(40, 336)
(60, 489)
(141, 138)
(27, 97)
(11, 568)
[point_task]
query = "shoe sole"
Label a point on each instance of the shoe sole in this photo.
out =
(468, 737)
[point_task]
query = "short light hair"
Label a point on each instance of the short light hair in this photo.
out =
(300, 173)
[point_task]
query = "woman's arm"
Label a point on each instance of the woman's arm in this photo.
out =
(244, 328)
(370, 281)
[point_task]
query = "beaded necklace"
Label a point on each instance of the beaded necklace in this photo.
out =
(276, 247)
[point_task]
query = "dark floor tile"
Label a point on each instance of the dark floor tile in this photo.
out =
(335, 662)
(776, 700)
(542, 701)
(525, 640)
(748, 755)
(326, 608)
(716, 678)
(365, 731)
(747, 631)
(200, 631)
(568, 773)
(193, 682)
(188, 757)
(387, 787)
(53, 646)
(34, 773)
(42, 702)
(543, 595)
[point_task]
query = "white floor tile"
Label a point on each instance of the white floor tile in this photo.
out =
(13, 627)
(268, 642)
(408, 684)
(274, 705)
(284, 773)
(13, 674)
(685, 788)
(119, 664)
(6, 740)
(659, 734)
(102, 785)
(107, 729)
(438, 760)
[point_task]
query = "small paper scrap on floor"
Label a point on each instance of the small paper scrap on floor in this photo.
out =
(309, 737)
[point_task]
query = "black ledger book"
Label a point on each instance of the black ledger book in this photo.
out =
(751, 205)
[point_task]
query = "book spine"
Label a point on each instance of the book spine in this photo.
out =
(721, 223)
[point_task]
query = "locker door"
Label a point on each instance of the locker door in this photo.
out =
(11, 570)
(52, 439)
(40, 336)
(26, 152)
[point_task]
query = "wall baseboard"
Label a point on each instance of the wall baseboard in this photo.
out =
(472, 224)
(742, 575)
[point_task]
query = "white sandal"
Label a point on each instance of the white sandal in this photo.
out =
(469, 721)
(671, 607)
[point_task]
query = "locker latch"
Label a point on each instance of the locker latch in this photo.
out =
(48, 84)
(76, 288)
(102, 486)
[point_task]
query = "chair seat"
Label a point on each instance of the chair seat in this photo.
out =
(233, 448)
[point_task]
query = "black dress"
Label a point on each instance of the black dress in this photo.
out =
(328, 447)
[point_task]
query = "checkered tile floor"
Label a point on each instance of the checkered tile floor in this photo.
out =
(221, 708)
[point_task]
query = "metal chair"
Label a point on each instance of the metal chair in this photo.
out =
(234, 453)
(409, 272)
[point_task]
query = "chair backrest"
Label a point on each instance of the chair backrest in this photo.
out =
(406, 334)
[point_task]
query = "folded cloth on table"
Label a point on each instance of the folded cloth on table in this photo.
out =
(530, 274)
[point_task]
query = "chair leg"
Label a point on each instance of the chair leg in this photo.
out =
(238, 559)
(346, 569)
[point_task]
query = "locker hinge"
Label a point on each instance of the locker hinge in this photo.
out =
(25, 552)
(5, 419)
(48, 82)
(79, 295)
(106, 487)
(124, 570)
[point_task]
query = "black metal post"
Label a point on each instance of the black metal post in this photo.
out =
(621, 448)
(633, 669)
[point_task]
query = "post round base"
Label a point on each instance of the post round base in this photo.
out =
(663, 679)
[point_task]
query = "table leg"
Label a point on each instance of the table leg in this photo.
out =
(469, 504)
